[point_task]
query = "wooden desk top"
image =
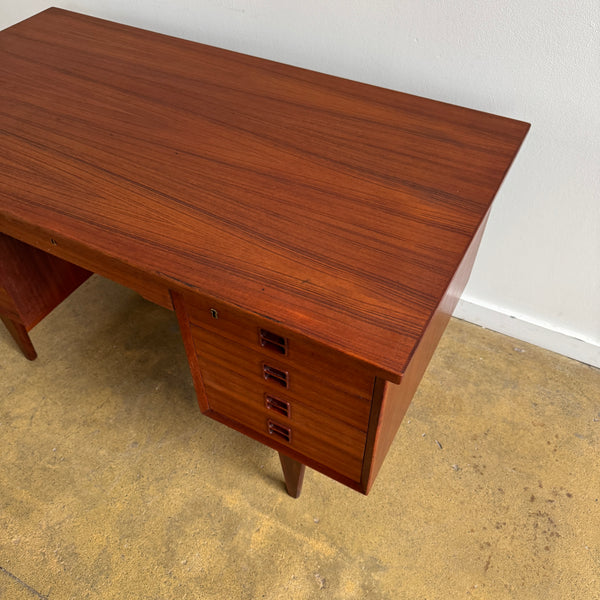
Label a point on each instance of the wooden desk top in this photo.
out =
(338, 209)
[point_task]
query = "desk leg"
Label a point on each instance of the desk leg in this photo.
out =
(21, 337)
(293, 472)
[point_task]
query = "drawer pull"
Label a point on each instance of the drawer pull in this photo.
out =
(276, 405)
(273, 342)
(279, 431)
(275, 375)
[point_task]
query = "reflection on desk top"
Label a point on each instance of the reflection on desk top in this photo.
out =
(339, 209)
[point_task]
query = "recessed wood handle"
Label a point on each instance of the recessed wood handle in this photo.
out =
(276, 375)
(273, 342)
(276, 405)
(279, 431)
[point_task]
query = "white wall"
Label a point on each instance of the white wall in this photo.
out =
(534, 60)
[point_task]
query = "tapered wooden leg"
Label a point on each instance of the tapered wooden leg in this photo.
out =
(293, 472)
(20, 335)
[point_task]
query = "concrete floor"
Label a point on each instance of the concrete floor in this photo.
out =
(114, 486)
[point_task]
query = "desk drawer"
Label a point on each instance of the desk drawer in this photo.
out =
(221, 357)
(316, 435)
(281, 345)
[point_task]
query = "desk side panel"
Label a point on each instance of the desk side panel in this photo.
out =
(188, 342)
(390, 400)
(8, 309)
(33, 282)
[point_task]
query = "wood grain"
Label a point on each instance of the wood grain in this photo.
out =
(318, 387)
(337, 209)
(340, 448)
(314, 359)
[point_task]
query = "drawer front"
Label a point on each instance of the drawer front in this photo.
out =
(289, 390)
(221, 357)
(283, 346)
(286, 421)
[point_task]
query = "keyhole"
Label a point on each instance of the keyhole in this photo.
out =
(214, 314)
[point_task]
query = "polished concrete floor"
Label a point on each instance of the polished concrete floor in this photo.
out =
(114, 486)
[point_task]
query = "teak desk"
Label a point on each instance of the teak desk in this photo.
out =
(312, 234)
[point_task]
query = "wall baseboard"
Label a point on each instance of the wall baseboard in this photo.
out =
(525, 330)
